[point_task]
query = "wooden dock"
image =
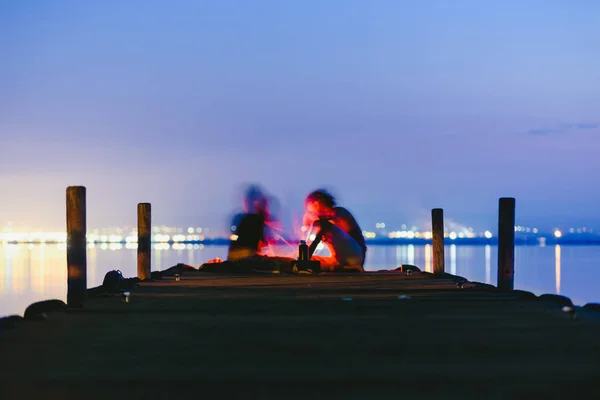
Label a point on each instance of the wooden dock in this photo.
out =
(372, 335)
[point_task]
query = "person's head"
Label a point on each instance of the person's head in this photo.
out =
(320, 203)
(255, 201)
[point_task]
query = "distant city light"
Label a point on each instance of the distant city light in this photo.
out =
(131, 239)
(161, 238)
(178, 238)
(127, 237)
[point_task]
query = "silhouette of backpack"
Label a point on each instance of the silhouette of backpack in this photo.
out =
(112, 280)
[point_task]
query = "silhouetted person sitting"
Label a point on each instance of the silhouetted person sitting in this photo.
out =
(250, 226)
(338, 230)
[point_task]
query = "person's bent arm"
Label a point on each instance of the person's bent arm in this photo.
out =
(309, 219)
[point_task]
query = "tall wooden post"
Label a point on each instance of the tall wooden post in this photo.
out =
(144, 238)
(506, 243)
(76, 247)
(437, 231)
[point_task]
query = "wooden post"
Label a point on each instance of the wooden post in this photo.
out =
(76, 247)
(144, 238)
(506, 243)
(437, 231)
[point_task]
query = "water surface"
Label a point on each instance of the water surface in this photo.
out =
(30, 273)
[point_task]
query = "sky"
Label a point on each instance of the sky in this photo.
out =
(398, 106)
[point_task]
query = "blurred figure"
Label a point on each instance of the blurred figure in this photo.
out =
(338, 230)
(250, 227)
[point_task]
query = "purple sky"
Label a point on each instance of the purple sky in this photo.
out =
(400, 106)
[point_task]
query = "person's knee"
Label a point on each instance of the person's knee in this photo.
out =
(326, 263)
(236, 254)
(354, 260)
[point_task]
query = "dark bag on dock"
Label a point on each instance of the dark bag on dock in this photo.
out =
(112, 280)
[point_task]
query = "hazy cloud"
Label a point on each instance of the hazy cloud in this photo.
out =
(561, 129)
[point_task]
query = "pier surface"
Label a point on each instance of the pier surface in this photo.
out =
(375, 335)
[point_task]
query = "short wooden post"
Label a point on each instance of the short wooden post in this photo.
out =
(144, 236)
(76, 247)
(437, 231)
(506, 243)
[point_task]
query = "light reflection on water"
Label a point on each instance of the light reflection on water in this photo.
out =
(30, 273)
(557, 268)
(488, 264)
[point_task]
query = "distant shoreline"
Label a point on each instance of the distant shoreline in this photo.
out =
(372, 242)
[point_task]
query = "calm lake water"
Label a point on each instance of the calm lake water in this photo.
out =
(31, 273)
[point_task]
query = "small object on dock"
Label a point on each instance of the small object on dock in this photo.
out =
(460, 285)
(303, 251)
(176, 277)
(308, 266)
(403, 297)
(407, 267)
(346, 298)
(263, 271)
(126, 297)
